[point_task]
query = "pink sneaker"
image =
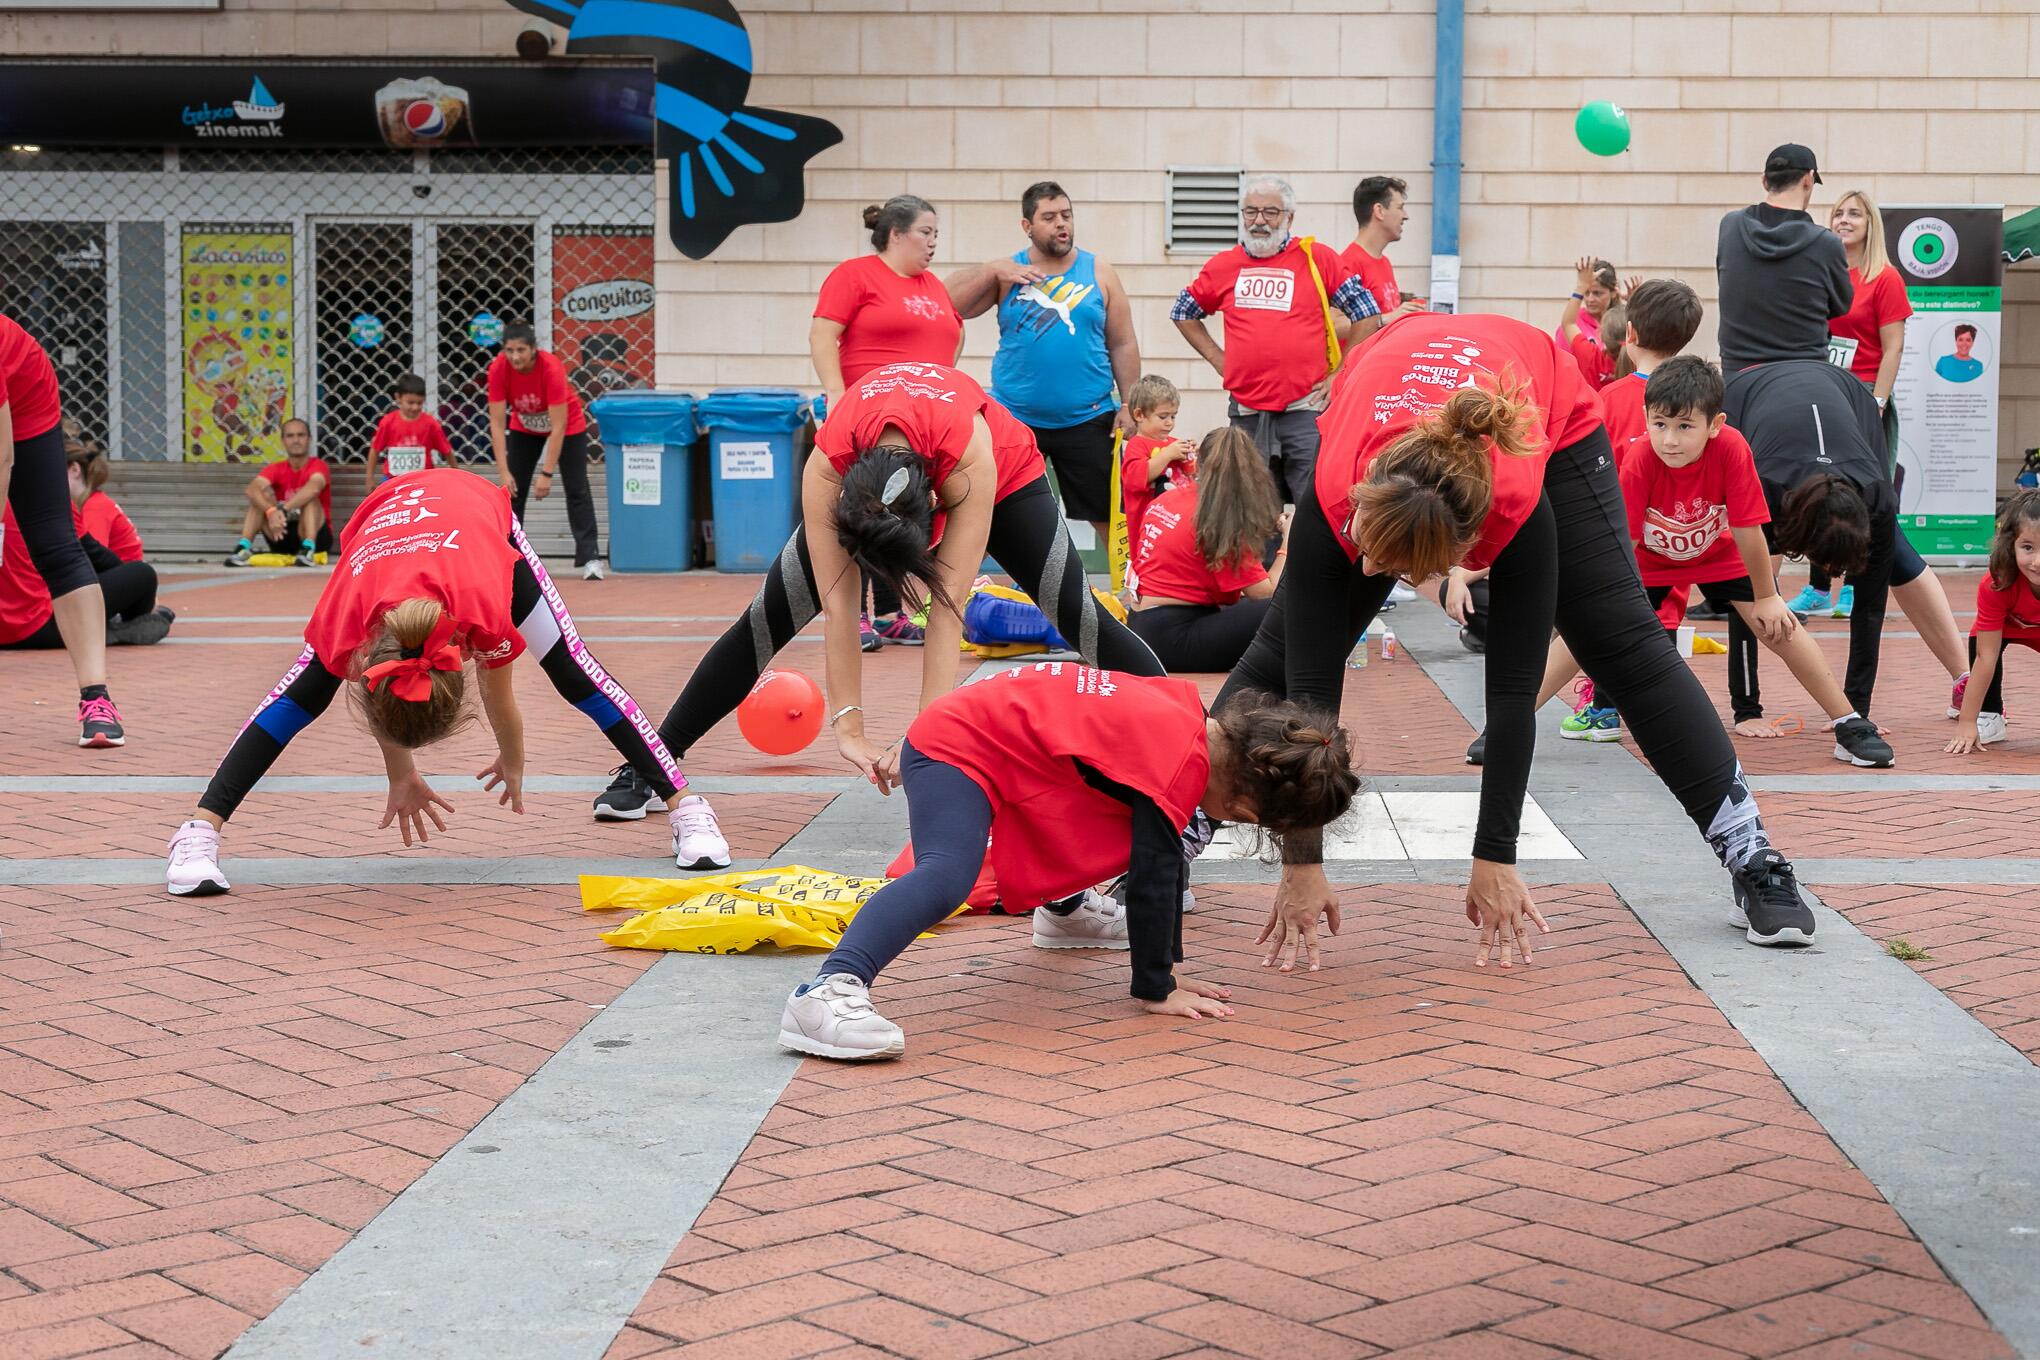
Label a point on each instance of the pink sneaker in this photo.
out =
(697, 838)
(1955, 696)
(99, 724)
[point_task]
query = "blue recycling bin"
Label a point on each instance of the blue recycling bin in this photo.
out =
(647, 438)
(753, 470)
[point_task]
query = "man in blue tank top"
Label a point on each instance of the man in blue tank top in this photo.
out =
(1066, 342)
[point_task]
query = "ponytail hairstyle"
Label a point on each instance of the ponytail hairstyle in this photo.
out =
(1826, 521)
(1237, 508)
(1614, 327)
(91, 463)
(1293, 765)
(1427, 494)
(897, 214)
(2020, 512)
(413, 678)
(885, 519)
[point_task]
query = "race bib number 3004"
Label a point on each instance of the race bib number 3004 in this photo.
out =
(1265, 290)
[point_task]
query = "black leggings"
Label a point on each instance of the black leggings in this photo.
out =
(308, 688)
(1571, 565)
(1742, 641)
(1994, 696)
(40, 494)
(1199, 637)
(524, 450)
(1028, 540)
(130, 591)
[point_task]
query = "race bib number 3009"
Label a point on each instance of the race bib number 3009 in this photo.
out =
(1264, 290)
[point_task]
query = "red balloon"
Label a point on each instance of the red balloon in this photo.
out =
(782, 713)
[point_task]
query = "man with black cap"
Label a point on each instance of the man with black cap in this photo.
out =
(1782, 275)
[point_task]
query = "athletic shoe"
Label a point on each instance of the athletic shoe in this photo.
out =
(1807, 601)
(1476, 753)
(1990, 727)
(99, 722)
(1767, 902)
(1470, 642)
(239, 557)
(1099, 922)
(1592, 724)
(145, 631)
(867, 640)
(903, 632)
(306, 557)
(593, 571)
(832, 1017)
(1955, 696)
(1402, 592)
(627, 798)
(1857, 743)
(697, 838)
(1704, 611)
(194, 869)
(1845, 602)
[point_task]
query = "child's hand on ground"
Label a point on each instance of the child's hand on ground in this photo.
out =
(1965, 741)
(1189, 1004)
(1758, 728)
(1210, 989)
(509, 774)
(411, 802)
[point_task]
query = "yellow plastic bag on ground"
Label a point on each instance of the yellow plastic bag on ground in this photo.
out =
(1707, 646)
(794, 907)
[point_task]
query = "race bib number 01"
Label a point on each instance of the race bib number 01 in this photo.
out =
(401, 461)
(1842, 351)
(1264, 290)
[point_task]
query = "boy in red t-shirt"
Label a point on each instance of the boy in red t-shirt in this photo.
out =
(1153, 459)
(2005, 613)
(407, 438)
(1697, 516)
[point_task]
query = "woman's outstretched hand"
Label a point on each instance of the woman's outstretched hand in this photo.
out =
(411, 802)
(1499, 903)
(879, 765)
(1302, 897)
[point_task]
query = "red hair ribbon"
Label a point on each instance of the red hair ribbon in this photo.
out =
(410, 675)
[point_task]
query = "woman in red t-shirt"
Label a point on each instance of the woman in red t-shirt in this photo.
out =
(1197, 563)
(435, 574)
(2007, 611)
(539, 432)
(920, 473)
(93, 511)
(1073, 776)
(1473, 443)
(33, 485)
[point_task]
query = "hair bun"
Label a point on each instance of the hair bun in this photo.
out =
(871, 215)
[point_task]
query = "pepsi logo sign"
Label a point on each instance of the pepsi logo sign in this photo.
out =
(425, 118)
(609, 300)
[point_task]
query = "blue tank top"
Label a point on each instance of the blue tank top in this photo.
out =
(1052, 370)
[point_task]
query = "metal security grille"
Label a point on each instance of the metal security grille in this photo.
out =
(193, 300)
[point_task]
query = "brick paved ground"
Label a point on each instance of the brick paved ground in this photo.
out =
(201, 1101)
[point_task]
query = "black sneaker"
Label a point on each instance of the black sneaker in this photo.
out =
(99, 724)
(1476, 754)
(1857, 743)
(1470, 642)
(1767, 902)
(239, 556)
(626, 798)
(1701, 609)
(145, 631)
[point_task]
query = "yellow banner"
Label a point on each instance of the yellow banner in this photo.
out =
(239, 346)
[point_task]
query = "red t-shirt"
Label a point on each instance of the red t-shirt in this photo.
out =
(1878, 303)
(2013, 611)
(1409, 371)
(28, 385)
(286, 481)
(934, 405)
(887, 319)
(1019, 735)
(1136, 488)
(1622, 412)
(24, 598)
(1596, 364)
(409, 445)
(442, 534)
(102, 517)
(1680, 517)
(1376, 273)
(1274, 320)
(1167, 563)
(531, 394)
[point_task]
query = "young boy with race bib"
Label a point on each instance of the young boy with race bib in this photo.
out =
(408, 439)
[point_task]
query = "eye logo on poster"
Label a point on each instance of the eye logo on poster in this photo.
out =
(1929, 247)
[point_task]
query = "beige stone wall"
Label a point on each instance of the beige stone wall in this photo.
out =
(967, 101)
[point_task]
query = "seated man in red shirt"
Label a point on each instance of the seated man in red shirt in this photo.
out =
(290, 503)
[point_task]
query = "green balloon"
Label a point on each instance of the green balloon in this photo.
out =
(1603, 128)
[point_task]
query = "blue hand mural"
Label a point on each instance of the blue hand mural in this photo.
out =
(731, 164)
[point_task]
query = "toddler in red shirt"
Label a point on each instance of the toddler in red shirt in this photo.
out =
(1153, 459)
(408, 439)
(2007, 611)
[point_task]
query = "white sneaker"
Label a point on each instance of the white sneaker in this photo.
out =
(1098, 923)
(1402, 593)
(593, 571)
(832, 1017)
(697, 838)
(1990, 727)
(194, 869)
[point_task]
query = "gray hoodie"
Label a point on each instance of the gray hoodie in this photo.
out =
(1782, 277)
